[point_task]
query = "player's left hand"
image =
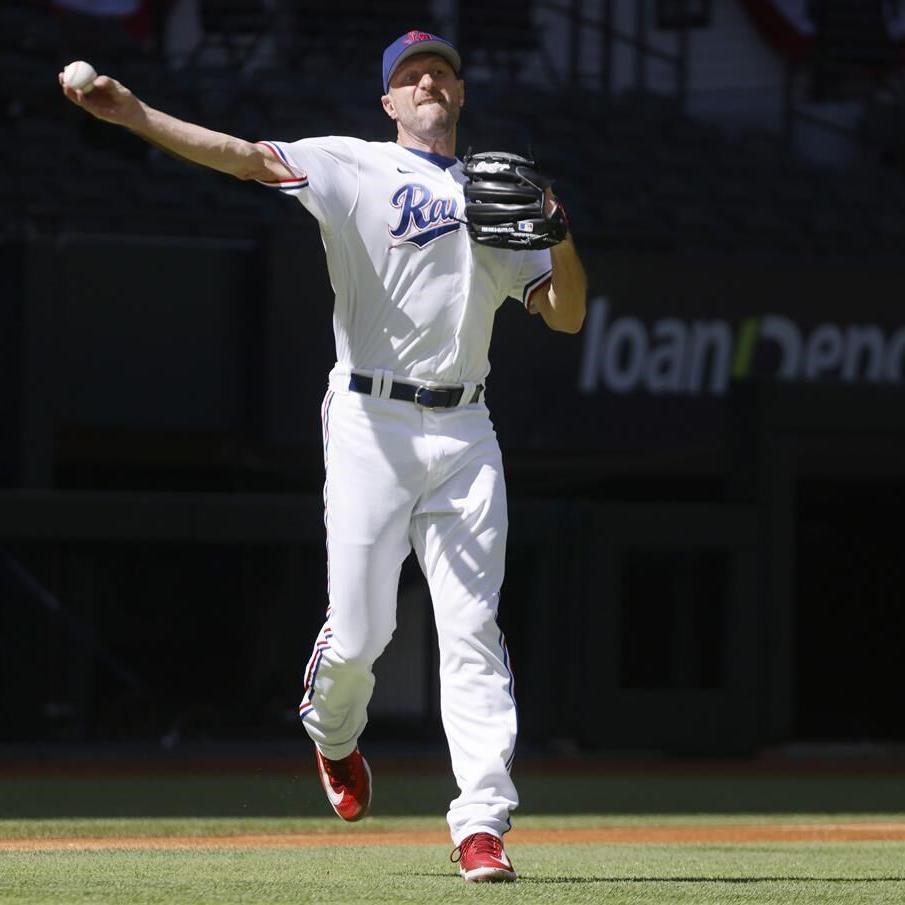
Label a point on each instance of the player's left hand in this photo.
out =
(509, 204)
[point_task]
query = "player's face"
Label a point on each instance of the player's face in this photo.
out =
(425, 96)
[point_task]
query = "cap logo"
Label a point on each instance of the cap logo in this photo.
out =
(414, 36)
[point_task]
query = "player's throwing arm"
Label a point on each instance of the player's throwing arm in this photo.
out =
(111, 101)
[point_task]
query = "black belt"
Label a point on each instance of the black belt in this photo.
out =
(428, 397)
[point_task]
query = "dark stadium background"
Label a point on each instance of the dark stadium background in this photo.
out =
(706, 540)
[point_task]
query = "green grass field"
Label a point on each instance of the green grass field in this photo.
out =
(224, 805)
(790, 872)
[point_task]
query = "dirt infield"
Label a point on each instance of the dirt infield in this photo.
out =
(657, 835)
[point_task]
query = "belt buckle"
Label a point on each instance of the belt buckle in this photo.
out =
(419, 390)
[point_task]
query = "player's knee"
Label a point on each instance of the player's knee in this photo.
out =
(474, 620)
(361, 651)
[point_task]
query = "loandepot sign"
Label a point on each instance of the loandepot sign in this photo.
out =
(700, 357)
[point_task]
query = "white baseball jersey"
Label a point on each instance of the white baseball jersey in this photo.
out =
(414, 295)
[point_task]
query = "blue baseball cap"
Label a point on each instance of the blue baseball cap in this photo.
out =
(413, 42)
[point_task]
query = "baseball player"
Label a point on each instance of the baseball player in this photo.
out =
(412, 460)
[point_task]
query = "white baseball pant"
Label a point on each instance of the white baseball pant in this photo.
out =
(400, 477)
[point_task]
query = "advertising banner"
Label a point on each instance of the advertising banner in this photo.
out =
(664, 338)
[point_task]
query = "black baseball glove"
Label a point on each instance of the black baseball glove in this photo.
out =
(505, 204)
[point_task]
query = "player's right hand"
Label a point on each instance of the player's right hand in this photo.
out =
(109, 100)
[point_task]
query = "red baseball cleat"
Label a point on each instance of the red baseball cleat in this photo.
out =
(347, 783)
(482, 859)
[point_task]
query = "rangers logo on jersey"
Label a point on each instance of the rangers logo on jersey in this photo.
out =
(422, 217)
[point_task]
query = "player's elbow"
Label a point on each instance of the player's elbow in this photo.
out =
(250, 162)
(251, 170)
(567, 312)
(571, 324)
(563, 321)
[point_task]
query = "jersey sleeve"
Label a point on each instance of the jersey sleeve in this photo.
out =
(532, 274)
(325, 176)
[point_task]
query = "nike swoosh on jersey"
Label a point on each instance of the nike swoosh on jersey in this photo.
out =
(400, 170)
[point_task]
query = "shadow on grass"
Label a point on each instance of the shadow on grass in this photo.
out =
(527, 878)
(737, 880)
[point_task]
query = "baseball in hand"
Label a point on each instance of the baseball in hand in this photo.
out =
(79, 75)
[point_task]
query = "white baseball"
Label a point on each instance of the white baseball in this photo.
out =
(80, 75)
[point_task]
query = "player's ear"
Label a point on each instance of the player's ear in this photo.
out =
(461, 93)
(388, 106)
